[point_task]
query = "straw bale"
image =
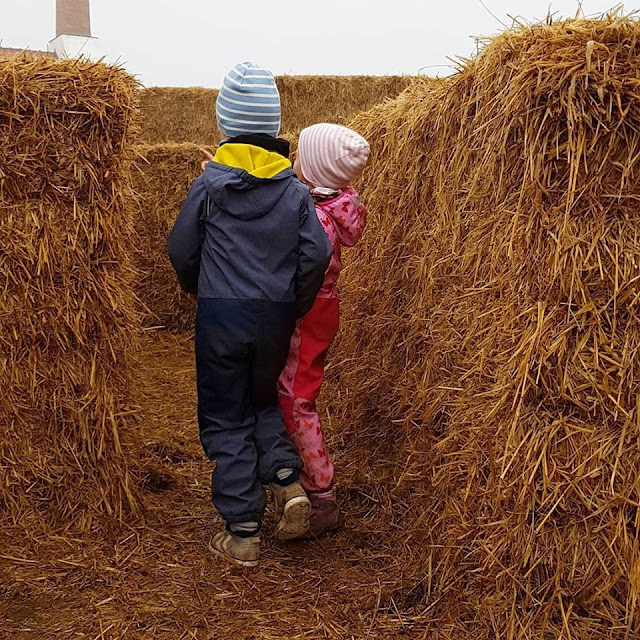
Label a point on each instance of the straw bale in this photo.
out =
(307, 100)
(189, 115)
(162, 176)
(175, 114)
(66, 311)
(491, 321)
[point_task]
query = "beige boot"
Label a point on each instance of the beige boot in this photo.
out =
(243, 552)
(292, 510)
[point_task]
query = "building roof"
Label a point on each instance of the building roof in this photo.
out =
(7, 52)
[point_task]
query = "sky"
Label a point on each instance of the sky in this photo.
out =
(193, 42)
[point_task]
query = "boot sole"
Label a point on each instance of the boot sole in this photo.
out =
(225, 556)
(294, 522)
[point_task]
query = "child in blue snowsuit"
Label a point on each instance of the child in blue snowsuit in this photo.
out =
(248, 242)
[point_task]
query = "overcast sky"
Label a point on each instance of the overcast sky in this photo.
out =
(193, 42)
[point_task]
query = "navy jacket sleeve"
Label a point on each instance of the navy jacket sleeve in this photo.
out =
(314, 255)
(186, 237)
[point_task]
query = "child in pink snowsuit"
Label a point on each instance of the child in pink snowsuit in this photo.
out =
(329, 158)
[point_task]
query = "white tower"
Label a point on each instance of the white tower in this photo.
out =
(73, 31)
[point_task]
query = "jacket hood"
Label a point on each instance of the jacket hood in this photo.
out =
(246, 181)
(348, 214)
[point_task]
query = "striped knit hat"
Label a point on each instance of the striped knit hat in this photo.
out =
(331, 156)
(248, 102)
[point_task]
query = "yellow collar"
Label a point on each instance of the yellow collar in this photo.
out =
(254, 160)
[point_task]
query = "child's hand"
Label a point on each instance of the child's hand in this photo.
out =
(206, 154)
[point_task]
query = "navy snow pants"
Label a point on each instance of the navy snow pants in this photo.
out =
(241, 349)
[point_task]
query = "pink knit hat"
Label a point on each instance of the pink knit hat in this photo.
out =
(331, 155)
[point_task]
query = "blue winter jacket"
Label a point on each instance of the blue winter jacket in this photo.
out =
(248, 231)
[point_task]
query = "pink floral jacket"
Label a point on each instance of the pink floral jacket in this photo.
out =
(343, 218)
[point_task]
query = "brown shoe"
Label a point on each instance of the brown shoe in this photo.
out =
(243, 552)
(292, 509)
(325, 516)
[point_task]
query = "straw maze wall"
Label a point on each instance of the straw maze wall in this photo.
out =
(67, 313)
(492, 322)
(189, 115)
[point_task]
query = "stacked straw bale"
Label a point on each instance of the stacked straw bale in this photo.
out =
(307, 100)
(189, 115)
(492, 317)
(174, 114)
(67, 309)
(162, 177)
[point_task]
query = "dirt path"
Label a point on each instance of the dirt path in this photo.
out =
(157, 579)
